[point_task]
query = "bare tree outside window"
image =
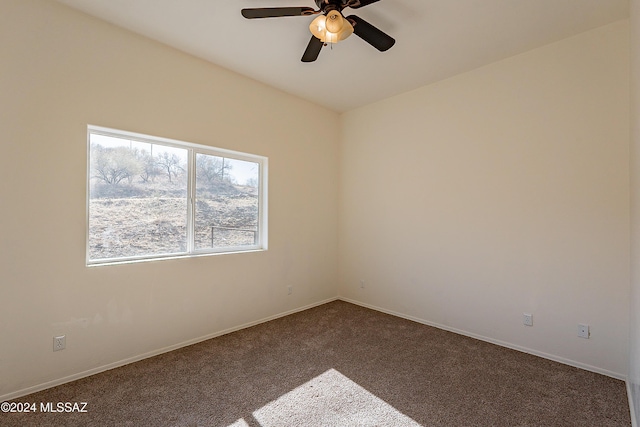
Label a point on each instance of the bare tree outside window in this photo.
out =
(113, 164)
(171, 164)
(149, 167)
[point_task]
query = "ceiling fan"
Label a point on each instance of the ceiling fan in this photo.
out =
(331, 26)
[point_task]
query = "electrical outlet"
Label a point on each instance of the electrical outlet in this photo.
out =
(583, 331)
(362, 284)
(527, 319)
(289, 290)
(59, 343)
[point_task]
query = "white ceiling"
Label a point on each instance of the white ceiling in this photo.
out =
(435, 39)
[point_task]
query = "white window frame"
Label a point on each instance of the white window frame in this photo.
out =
(192, 149)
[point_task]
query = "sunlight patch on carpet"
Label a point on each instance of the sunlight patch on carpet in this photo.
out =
(330, 399)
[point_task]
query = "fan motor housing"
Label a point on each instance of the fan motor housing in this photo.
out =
(328, 5)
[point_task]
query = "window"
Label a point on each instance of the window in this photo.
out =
(151, 198)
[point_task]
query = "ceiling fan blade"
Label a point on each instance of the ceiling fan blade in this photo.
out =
(371, 34)
(313, 50)
(276, 12)
(356, 4)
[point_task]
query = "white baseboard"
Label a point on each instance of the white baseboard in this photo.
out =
(119, 363)
(493, 341)
(634, 420)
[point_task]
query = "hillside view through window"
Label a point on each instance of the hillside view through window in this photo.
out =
(150, 199)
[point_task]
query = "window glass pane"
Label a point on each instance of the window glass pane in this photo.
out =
(226, 213)
(137, 198)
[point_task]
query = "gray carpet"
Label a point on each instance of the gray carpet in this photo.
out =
(338, 365)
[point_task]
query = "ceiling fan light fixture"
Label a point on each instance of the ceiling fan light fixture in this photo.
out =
(331, 28)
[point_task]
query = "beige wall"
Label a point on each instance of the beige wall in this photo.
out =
(61, 70)
(500, 191)
(634, 343)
